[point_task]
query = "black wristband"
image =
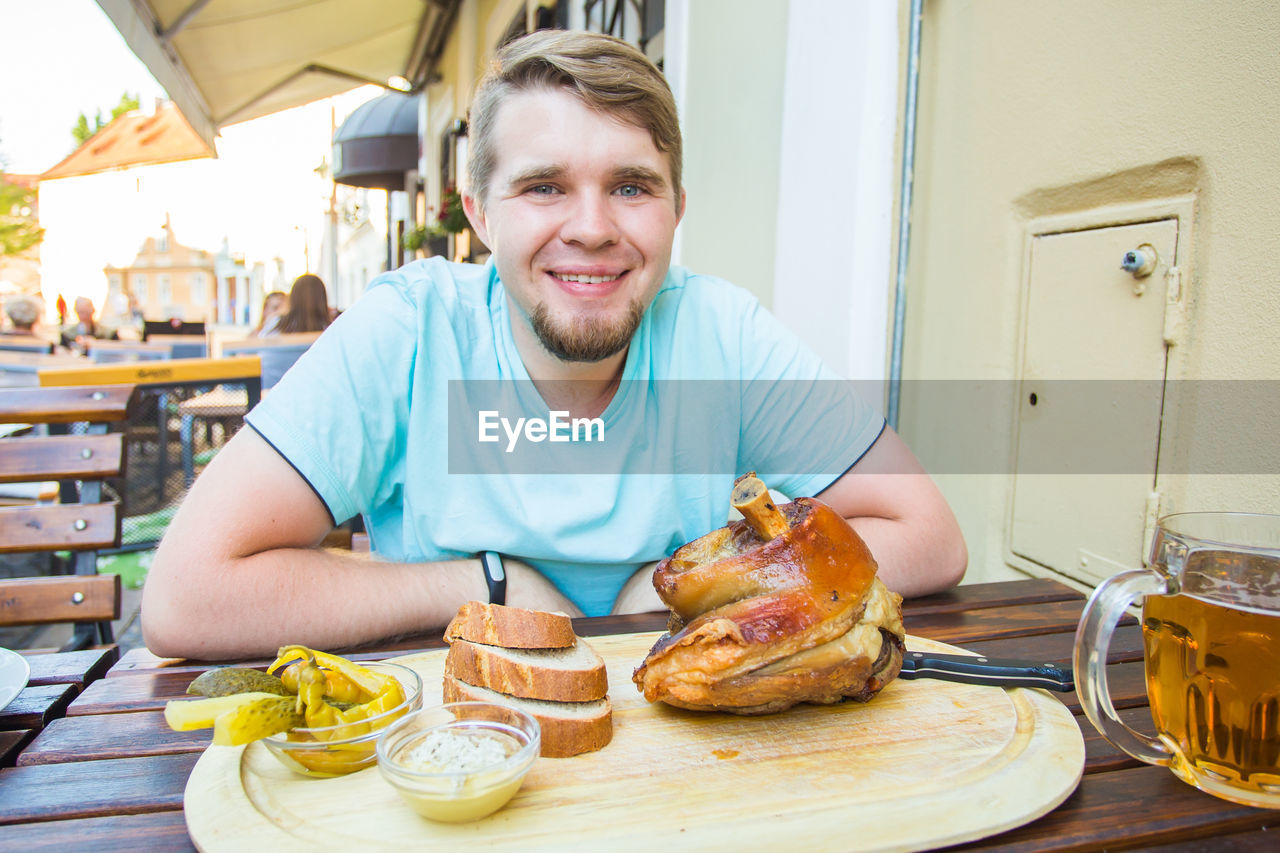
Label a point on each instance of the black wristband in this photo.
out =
(495, 576)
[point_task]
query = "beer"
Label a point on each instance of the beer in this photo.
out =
(1213, 680)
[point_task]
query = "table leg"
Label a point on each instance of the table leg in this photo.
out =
(188, 455)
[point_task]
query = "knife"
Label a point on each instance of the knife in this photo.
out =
(997, 672)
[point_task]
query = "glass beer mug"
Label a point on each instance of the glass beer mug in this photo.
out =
(1211, 642)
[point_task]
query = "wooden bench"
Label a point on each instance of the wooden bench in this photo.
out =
(83, 523)
(163, 385)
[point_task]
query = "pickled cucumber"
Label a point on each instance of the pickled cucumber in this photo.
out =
(232, 679)
(257, 719)
(183, 715)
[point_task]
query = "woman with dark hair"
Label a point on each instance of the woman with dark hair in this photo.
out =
(308, 307)
(308, 312)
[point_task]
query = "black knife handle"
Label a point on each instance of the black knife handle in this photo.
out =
(996, 672)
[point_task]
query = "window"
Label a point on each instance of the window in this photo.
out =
(113, 283)
(140, 288)
(164, 289)
(199, 288)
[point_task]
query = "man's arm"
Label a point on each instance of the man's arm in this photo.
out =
(240, 571)
(638, 594)
(904, 519)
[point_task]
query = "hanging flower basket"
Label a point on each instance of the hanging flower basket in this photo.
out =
(452, 218)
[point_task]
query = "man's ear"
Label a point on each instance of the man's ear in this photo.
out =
(684, 199)
(475, 215)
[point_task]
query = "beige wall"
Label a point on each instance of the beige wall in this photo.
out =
(731, 117)
(1030, 110)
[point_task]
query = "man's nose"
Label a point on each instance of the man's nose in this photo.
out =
(590, 222)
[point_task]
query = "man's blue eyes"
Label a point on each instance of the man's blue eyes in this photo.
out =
(626, 190)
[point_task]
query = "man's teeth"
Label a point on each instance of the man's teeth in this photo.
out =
(587, 279)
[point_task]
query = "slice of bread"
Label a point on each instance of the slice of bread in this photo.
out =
(511, 627)
(568, 728)
(575, 674)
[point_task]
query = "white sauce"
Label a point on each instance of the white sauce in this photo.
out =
(453, 750)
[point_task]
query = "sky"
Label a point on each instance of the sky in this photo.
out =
(60, 58)
(261, 197)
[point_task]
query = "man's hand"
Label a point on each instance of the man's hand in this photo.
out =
(638, 594)
(528, 588)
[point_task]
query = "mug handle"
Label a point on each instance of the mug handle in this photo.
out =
(1093, 637)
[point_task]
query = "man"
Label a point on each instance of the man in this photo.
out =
(81, 333)
(575, 186)
(23, 311)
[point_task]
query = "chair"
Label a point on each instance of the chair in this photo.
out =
(171, 327)
(182, 346)
(278, 352)
(25, 343)
(156, 474)
(111, 352)
(82, 523)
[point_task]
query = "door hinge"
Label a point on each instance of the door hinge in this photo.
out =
(1175, 306)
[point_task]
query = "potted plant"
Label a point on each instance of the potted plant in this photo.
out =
(433, 238)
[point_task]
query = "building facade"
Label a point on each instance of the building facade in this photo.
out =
(165, 281)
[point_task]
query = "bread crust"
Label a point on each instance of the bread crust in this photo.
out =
(562, 736)
(512, 627)
(522, 674)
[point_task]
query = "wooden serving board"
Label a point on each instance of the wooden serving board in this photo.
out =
(925, 764)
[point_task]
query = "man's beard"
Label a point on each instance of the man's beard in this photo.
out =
(584, 338)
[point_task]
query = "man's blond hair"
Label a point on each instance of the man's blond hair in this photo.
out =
(609, 75)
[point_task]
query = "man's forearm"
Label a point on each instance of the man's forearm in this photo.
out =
(912, 561)
(250, 606)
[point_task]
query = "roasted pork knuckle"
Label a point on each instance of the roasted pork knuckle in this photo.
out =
(779, 608)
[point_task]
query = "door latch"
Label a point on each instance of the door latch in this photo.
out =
(1140, 263)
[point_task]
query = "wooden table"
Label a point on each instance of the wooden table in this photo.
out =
(22, 369)
(111, 774)
(56, 679)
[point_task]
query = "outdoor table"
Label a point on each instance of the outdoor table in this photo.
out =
(111, 773)
(22, 369)
(219, 403)
(56, 679)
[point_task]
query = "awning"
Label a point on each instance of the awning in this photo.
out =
(378, 143)
(226, 61)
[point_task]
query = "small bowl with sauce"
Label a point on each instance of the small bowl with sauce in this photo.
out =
(459, 761)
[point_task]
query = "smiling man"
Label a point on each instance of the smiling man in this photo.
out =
(578, 319)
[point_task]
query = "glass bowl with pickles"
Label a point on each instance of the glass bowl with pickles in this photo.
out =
(320, 714)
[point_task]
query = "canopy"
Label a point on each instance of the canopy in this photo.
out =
(225, 61)
(378, 143)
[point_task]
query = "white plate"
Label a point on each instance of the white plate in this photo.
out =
(14, 672)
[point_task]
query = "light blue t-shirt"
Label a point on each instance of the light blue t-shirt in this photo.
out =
(396, 414)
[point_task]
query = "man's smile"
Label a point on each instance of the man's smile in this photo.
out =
(588, 284)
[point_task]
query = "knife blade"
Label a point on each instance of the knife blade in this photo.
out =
(997, 672)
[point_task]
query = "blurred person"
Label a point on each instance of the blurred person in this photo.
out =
(274, 304)
(23, 312)
(308, 308)
(575, 187)
(308, 311)
(78, 334)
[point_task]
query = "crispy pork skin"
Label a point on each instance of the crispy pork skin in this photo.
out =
(768, 613)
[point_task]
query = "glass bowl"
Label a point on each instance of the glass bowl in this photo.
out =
(459, 761)
(338, 750)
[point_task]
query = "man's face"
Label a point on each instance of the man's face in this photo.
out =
(580, 215)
